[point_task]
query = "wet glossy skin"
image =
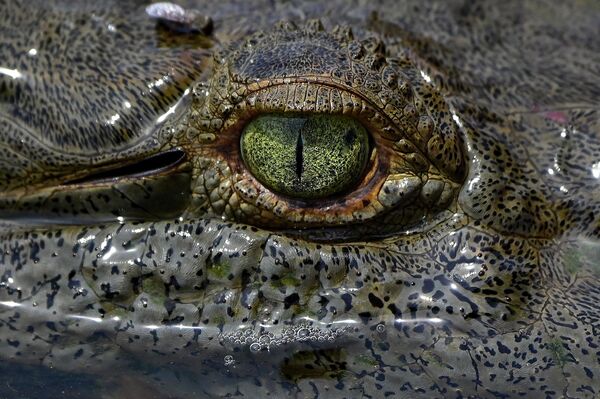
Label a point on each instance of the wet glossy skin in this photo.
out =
(463, 263)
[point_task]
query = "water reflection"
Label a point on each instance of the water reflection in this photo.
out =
(596, 170)
(11, 73)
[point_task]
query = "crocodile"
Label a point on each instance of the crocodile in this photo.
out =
(351, 199)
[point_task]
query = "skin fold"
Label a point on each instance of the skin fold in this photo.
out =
(142, 253)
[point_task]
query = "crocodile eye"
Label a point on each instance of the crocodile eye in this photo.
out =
(306, 156)
(321, 138)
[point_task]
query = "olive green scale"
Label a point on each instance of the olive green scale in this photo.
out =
(306, 156)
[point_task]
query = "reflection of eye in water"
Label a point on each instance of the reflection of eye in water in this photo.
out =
(298, 209)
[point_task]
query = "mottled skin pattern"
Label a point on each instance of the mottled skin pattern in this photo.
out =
(463, 265)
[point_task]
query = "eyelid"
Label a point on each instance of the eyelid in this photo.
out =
(308, 95)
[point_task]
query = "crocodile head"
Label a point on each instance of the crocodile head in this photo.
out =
(313, 211)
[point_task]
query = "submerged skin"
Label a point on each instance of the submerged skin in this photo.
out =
(463, 264)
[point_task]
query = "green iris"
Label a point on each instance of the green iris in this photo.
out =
(305, 156)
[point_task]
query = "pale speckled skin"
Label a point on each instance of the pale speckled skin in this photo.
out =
(464, 266)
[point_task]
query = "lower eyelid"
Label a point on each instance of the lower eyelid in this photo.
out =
(236, 195)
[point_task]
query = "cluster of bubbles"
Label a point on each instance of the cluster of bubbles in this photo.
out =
(229, 360)
(264, 340)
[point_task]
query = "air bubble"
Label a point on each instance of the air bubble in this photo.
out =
(302, 333)
(258, 341)
(265, 314)
(229, 360)
(255, 347)
(264, 339)
(380, 328)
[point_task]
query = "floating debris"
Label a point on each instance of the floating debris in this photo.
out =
(178, 19)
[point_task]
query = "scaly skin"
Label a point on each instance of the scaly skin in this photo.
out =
(463, 264)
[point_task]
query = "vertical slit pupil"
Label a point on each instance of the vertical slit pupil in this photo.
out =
(350, 137)
(299, 156)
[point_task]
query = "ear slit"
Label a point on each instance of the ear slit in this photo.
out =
(154, 164)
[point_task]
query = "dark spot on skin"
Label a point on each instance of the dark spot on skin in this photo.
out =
(589, 373)
(365, 317)
(375, 301)
(290, 300)
(502, 348)
(78, 354)
(427, 286)
(347, 298)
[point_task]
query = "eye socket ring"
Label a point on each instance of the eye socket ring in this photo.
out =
(387, 190)
(353, 200)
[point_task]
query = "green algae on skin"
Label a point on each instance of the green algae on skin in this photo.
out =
(590, 252)
(559, 354)
(288, 280)
(582, 254)
(155, 290)
(219, 270)
(572, 260)
(367, 361)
